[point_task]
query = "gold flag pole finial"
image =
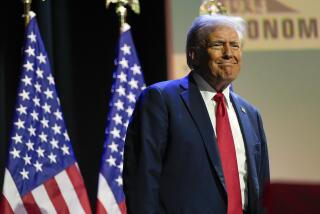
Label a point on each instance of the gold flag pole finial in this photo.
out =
(27, 8)
(212, 7)
(121, 9)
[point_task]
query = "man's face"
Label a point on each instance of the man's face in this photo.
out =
(220, 60)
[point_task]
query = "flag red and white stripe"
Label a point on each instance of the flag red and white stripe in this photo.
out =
(106, 202)
(63, 193)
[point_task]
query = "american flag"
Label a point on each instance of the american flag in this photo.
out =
(42, 175)
(127, 86)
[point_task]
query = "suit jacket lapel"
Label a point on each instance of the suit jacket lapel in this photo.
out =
(250, 140)
(196, 106)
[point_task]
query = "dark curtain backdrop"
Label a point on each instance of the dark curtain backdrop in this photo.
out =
(81, 40)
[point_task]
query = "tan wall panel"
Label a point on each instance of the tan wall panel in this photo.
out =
(280, 76)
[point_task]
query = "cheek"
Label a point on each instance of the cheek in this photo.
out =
(214, 59)
(238, 66)
(214, 67)
(214, 56)
(238, 57)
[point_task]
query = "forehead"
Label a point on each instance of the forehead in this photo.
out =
(223, 32)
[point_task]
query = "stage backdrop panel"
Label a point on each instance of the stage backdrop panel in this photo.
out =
(280, 75)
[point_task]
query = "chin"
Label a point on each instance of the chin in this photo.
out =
(231, 75)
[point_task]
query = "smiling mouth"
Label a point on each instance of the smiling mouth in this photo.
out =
(226, 64)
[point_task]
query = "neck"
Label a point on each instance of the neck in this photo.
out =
(216, 83)
(218, 86)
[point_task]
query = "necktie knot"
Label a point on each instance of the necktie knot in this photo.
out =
(218, 97)
(221, 105)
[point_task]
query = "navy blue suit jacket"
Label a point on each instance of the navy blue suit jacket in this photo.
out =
(171, 158)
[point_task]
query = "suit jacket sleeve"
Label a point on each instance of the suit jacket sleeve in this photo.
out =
(144, 147)
(264, 174)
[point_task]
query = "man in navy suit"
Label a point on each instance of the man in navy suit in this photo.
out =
(172, 158)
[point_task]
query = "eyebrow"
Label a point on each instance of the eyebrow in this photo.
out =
(222, 41)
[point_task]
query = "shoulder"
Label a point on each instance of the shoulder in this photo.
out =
(168, 87)
(244, 103)
(156, 100)
(163, 94)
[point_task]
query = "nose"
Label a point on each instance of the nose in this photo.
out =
(227, 51)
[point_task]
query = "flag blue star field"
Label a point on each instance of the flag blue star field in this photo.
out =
(42, 175)
(127, 86)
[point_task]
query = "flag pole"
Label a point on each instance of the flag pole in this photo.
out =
(27, 8)
(121, 10)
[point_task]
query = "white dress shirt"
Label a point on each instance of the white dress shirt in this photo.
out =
(207, 93)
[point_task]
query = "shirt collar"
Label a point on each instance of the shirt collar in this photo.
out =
(207, 90)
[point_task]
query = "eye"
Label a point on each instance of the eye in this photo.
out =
(216, 44)
(235, 44)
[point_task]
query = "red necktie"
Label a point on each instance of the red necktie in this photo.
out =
(228, 156)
